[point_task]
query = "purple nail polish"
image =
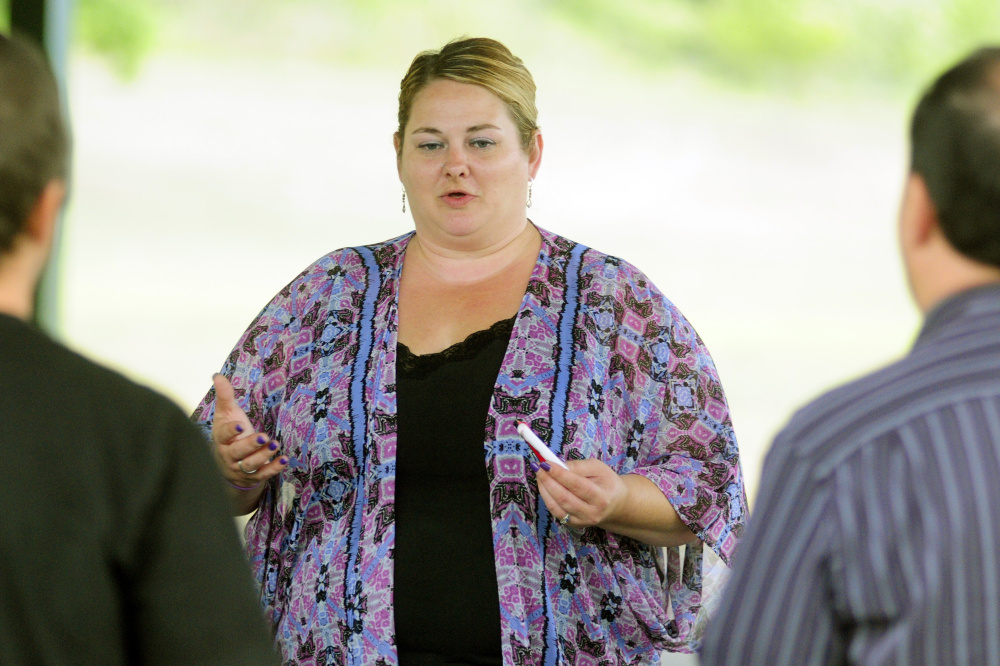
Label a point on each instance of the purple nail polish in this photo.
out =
(533, 465)
(239, 428)
(261, 440)
(273, 446)
(284, 461)
(547, 467)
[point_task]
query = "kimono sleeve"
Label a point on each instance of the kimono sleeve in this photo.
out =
(694, 457)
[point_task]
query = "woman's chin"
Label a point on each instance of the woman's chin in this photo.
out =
(453, 226)
(467, 230)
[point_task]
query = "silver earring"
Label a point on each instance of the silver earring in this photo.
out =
(530, 181)
(404, 201)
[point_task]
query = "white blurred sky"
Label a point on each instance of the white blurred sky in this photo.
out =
(203, 186)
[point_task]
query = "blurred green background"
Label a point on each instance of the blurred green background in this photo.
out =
(788, 45)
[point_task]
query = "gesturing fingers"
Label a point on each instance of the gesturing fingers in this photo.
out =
(252, 459)
(230, 420)
(225, 395)
(224, 432)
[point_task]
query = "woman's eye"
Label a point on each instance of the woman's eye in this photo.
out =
(430, 145)
(481, 143)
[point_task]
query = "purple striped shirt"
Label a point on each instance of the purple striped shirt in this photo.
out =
(876, 538)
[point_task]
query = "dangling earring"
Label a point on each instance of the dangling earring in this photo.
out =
(404, 200)
(530, 181)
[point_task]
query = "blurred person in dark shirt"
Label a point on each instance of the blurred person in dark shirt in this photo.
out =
(115, 541)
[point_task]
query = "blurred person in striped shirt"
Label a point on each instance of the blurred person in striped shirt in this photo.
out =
(875, 538)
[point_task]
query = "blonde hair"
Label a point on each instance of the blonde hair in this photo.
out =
(482, 62)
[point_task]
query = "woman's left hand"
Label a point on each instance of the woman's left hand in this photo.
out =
(591, 494)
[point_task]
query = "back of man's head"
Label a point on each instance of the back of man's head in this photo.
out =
(34, 145)
(955, 137)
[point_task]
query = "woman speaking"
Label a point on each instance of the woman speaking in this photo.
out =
(369, 416)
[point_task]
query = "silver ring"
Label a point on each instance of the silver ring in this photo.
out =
(249, 472)
(565, 520)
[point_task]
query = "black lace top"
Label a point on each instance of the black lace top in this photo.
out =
(446, 598)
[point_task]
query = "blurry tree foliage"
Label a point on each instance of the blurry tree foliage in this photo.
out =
(123, 31)
(781, 44)
(888, 43)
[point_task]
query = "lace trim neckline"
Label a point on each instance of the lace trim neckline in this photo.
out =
(414, 365)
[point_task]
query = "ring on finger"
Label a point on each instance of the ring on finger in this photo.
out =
(239, 463)
(565, 520)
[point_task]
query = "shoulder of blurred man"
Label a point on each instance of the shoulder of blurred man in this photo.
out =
(956, 352)
(119, 524)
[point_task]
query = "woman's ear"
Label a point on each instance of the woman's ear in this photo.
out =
(535, 153)
(397, 144)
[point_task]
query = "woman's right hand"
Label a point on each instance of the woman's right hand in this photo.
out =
(247, 458)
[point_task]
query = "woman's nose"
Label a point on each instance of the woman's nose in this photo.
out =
(456, 164)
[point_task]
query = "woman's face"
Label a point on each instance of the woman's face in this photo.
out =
(461, 162)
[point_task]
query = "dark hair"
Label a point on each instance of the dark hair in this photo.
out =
(34, 145)
(955, 137)
(479, 61)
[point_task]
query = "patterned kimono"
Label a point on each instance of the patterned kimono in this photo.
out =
(599, 363)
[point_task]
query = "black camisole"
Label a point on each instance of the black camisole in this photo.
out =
(446, 599)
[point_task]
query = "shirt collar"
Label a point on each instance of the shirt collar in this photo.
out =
(941, 318)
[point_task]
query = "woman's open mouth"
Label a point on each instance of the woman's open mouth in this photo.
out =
(457, 198)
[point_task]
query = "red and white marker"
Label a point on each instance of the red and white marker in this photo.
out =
(543, 452)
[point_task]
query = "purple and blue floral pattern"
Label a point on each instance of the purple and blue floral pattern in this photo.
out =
(599, 363)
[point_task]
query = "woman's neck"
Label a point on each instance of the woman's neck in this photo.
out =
(458, 266)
